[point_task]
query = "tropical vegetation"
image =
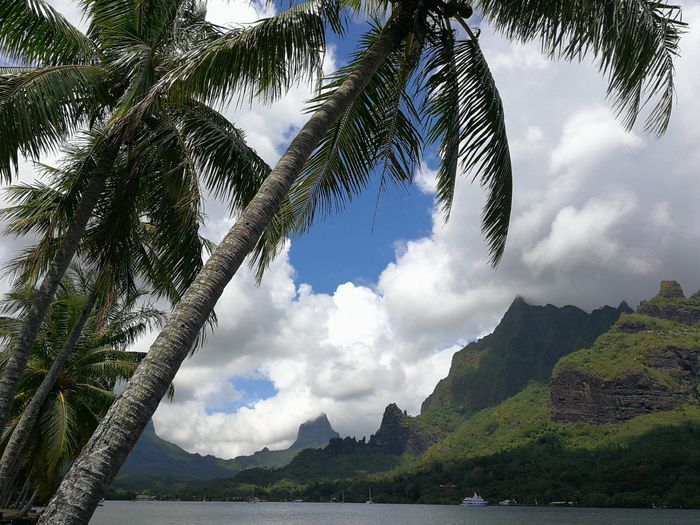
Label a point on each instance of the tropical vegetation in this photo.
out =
(84, 389)
(148, 237)
(102, 86)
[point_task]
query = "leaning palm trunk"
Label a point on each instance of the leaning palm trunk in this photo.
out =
(81, 490)
(11, 455)
(19, 352)
(29, 503)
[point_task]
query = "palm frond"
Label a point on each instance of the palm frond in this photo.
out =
(261, 60)
(35, 33)
(110, 21)
(467, 120)
(230, 169)
(40, 108)
(45, 211)
(58, 429)
(633, 41)
(379, 130)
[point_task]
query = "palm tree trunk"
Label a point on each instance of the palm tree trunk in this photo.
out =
(81, 490)
(30, 502)
(19, 354)
(11, 455)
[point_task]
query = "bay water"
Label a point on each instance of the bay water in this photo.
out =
(220, 513)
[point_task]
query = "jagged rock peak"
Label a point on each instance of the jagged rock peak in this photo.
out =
(400, 433)
(670, 303)
(625, 308)
(314, 433)
(670, 290)
(393, 410)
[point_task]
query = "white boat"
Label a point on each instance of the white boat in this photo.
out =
(369, 501)
(474, 501)
(507, 502)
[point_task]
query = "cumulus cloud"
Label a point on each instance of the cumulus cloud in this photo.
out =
(323, 353)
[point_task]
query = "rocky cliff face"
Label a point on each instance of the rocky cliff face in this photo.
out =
(672, 304)
(314, 433)
(401, 434)
(525, 346)
(578, 396)
(648, 362)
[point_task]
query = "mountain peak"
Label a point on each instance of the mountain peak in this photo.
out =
(672, 304)
(670, 290)
(625, 308)
(524, 346)
(316, 432)
(400, 433)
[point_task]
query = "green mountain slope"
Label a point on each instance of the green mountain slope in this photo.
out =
(525, 346)
(155, 462)
(526, 418)
(156, 457)
(613, 423)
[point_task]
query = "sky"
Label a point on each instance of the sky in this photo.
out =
(366, 311)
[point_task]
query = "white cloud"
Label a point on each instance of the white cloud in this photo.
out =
(520, 56)
(426, 179)
(581, 235)
(590, 137)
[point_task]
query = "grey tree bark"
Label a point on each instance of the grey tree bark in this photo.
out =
(81, 490)
(29, 503)
(17, 440)
(33, 319)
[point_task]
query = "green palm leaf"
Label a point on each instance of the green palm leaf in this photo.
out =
(58, 425)
(467, 120)
(40, 108)
(377, 131)
(261, 60)
(34, 33)
(634, 42)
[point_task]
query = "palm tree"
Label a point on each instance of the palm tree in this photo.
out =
(83, 391)
(634, 43)
(148, 236)
(105, 80)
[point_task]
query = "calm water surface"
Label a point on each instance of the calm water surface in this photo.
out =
(186, 513)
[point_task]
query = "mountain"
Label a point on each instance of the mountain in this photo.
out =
(314, 433)
(648, 362)
(617, 424)
(524, 347)
(155, 457)
(401, 434)
(155, 461)
(613, 423)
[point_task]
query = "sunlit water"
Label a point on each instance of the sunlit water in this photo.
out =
(187, 513)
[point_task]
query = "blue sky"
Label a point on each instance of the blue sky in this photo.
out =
(357, 245)
(354, 245)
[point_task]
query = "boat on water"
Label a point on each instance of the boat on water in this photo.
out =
(474, 501)
(369, 501)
